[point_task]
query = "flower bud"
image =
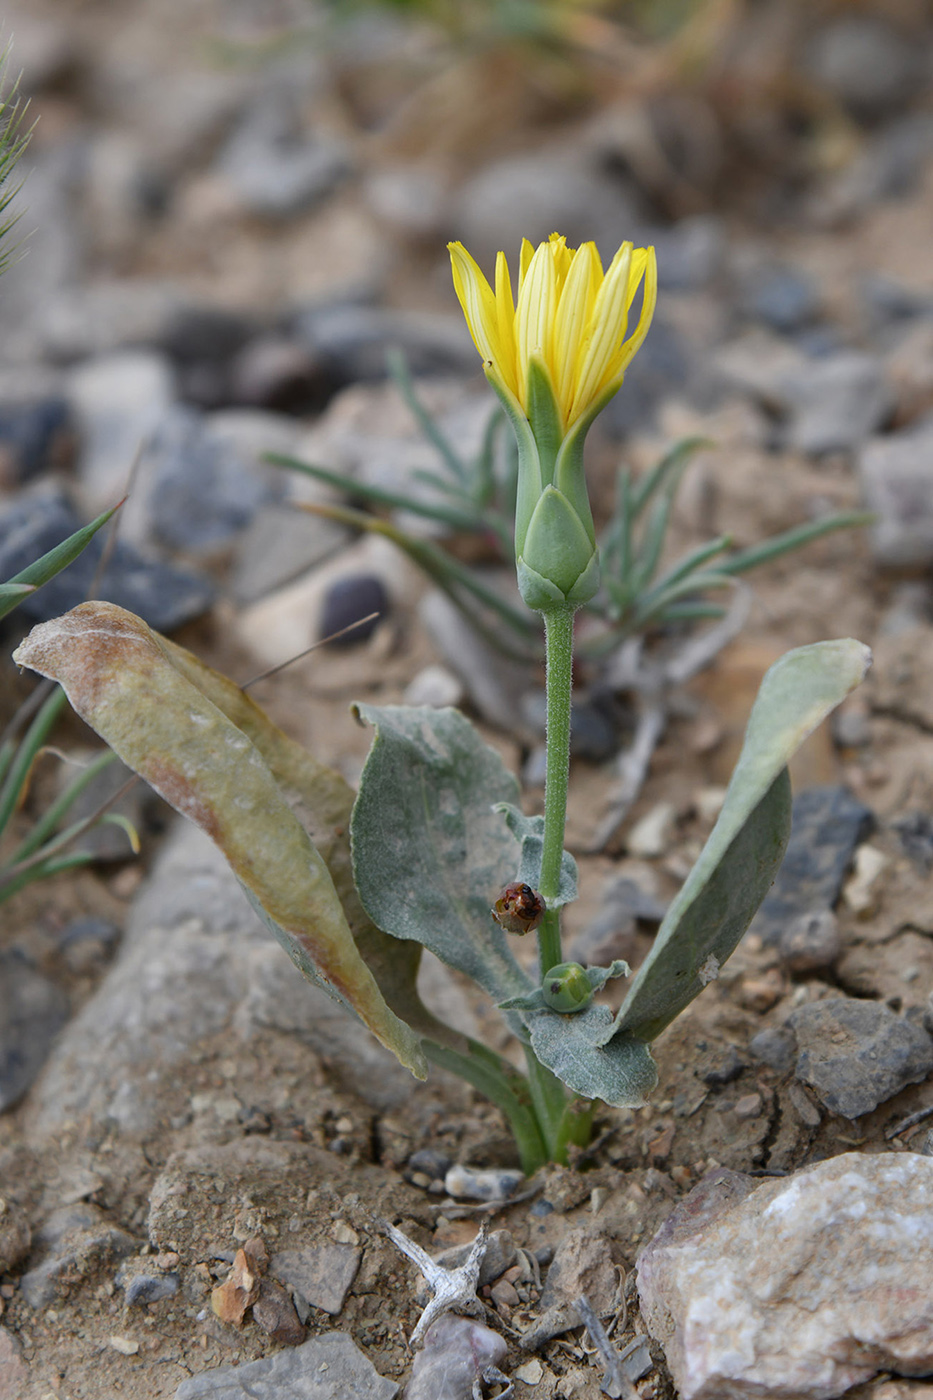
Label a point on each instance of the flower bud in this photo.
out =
(567, 988)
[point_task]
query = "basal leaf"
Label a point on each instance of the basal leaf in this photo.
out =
(120, 677)
(430, 853)
(741, 857)
(322, 800)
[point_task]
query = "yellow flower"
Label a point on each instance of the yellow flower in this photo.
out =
(570, 317)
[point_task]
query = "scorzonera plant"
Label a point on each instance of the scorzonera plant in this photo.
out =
(435, 850)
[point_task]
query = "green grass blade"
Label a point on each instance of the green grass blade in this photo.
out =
(50, 819)
(398, 368)
(376, 495)
(52, 563)
(672, 464)
(35, 737)
(793, 539)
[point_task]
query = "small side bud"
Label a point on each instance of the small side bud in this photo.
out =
(566, 988)
(519, 908)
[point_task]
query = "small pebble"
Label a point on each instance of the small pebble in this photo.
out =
(531, 1373)
(347, 601)
(652, 835)
(124, 1345)
(434, 686)
(811, 941)
(476, 1184)
(861, 891)
(775, 1047)
(748, 1106)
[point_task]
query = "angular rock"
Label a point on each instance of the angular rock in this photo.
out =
(828, 824)
(896, 473)
(277, 169)
(76, 1240)
(582, 1263)
(36, 435)
(330, 1367)
(117, 401)
(784, 298)
(798, 1288)
(279, 544)
(14, 1375)
(143, 1284)
(855, 1055)
(866, 63)
(15, 1235)
(202, 491)
(836, 402)
(624, 905)
(350, 342)
(810, 941)
(322, 1274)
(275, 1313)
(495, 683)
(529, 196)
(32, 1012)
(165, 596)
(457, 1350)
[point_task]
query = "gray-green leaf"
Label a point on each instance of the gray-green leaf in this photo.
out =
(430, 853)
(745, 848)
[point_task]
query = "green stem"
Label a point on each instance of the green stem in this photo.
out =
(558, 635)
(504, 1087)
(549, 1098)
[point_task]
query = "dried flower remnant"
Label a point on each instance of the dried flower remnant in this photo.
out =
(519, 908)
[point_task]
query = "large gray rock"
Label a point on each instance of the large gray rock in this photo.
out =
(330, 1367)
(897, 483)
(195, 962)
(32, 1012)
(799, 1288)
(529, 196)
(857, 1054)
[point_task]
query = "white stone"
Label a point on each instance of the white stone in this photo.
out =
(798, 1288)
(434, 686)
(861, 890)
(651, 836)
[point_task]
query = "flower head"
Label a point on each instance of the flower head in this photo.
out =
(555, 356)
(570, 317)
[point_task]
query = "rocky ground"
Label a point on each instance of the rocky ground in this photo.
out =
(233, 211)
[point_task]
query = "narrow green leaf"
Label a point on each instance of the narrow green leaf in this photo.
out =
(26, 751)
(430, 853)
(398, 369)
(793, 539)
(741, 858)
(56, 559)
(377, 495)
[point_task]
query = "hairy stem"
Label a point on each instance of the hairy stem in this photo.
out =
(558, 633)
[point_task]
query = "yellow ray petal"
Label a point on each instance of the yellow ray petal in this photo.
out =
(605, 332)
(573, 313)
(479, 305)
(505, 314)
(534, 314)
